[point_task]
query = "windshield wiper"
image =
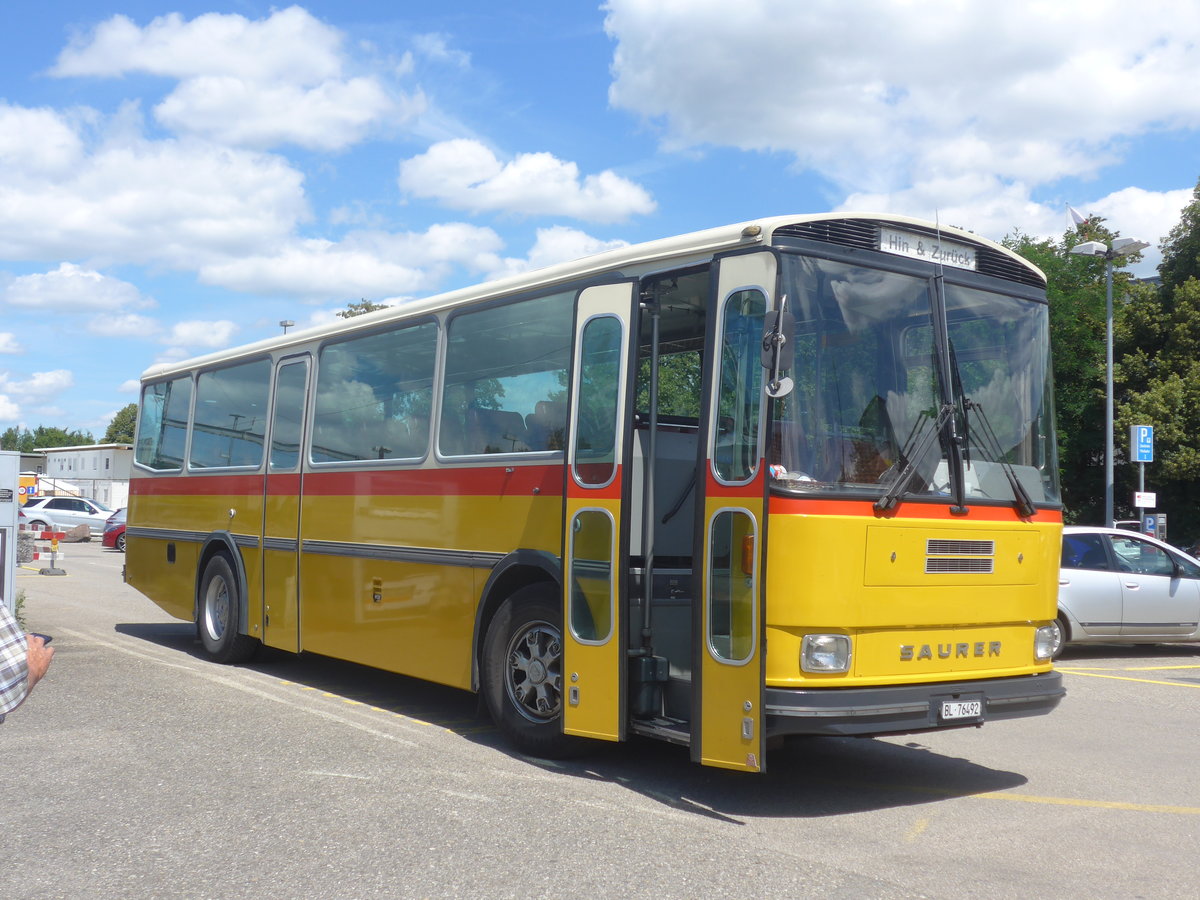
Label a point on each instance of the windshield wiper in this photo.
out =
(915, 448)
(1021, 498)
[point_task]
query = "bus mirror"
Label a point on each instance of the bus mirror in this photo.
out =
(778, 350)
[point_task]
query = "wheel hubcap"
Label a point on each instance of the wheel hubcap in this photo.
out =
(533, 676)
(216, 608)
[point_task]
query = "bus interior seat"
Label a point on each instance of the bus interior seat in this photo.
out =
(546, 424)
(495, 431)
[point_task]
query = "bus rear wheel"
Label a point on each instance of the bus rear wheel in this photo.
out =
(522, 673)
(219, 612)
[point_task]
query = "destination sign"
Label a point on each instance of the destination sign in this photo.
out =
(918, 246)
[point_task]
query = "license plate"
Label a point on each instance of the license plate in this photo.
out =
(962, 709)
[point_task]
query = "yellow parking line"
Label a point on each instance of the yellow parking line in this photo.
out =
(1095, 804)
(1123, 678)
(1156, 668)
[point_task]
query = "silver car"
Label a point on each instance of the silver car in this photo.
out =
(66, 512)
(1115, 586)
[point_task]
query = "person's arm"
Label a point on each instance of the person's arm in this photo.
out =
(37, 657)
(23, 662)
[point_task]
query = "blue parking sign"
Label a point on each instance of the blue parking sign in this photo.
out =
(1141, 443)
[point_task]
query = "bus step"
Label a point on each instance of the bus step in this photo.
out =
(676, 731)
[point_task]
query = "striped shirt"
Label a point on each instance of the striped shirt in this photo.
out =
(14, 663)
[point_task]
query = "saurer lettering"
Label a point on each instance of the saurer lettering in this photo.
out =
(909, 652)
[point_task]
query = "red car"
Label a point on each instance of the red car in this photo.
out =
(114, 531)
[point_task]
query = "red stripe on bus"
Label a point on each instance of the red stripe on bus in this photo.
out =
(196, 485)
(489, 481)
(753, 490)
(797, 507)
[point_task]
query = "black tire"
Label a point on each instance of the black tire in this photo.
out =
(1063, 635)
(218, 612)
(120, 542)
(523, 682)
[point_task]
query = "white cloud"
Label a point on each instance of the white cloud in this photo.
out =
(246, 83)
(9, 411)
(124, 325)
(196, 333)
(176, 202)
(363, 264)
(1028, 83)
(554, 245)
(9, 343)
(36, 142)
(132, 386)
(330, 116)
(290, 44)
(959, 107)
(435, 47)
(71, 288)
(465, 174)
(39, 387)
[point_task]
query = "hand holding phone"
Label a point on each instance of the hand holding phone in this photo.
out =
(46, 638)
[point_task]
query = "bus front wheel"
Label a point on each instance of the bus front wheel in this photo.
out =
(218, 614)
(522, 673)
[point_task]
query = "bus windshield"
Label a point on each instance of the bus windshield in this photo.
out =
(869, 407)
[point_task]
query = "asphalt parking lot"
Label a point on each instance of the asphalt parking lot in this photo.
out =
(139, 769)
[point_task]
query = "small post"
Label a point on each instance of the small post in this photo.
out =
(53, 569)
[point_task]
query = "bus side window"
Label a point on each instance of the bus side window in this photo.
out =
(375, 395)
(230, 423)
(506, 378)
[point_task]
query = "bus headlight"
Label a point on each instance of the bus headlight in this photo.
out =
(825, 653)
(1043, 642)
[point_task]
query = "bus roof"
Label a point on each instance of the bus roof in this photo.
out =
(634, 260)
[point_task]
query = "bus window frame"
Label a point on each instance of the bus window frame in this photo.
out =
(763, 408)
(576, 379)
(755, 588)
(196, 376)
(306, 358)
(570, 292)
(182, 468)
(315, 380)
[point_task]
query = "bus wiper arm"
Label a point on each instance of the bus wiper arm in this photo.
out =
(1021, 498)
(914, 450)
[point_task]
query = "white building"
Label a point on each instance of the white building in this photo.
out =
(99, 471)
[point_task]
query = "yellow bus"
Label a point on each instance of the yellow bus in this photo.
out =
(789, 477)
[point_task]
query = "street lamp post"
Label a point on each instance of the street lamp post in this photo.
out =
(1119, 247)
(286, 324)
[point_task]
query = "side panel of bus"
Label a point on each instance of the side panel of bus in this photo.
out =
(596, 539)
(728, 723)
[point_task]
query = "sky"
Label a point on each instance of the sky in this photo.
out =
(177, 178)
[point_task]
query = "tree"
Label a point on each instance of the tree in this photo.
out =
(1075, 289)
(1159, 374)
(359, 308)
(1181, 248)
(26, 441)
(120, 429)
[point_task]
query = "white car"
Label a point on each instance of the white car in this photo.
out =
(61, 513)
(1115, 586)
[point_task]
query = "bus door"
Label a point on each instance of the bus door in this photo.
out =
(728, 555)
(281, 507)
(596, 536)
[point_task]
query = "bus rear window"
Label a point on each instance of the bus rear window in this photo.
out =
(162, 425)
